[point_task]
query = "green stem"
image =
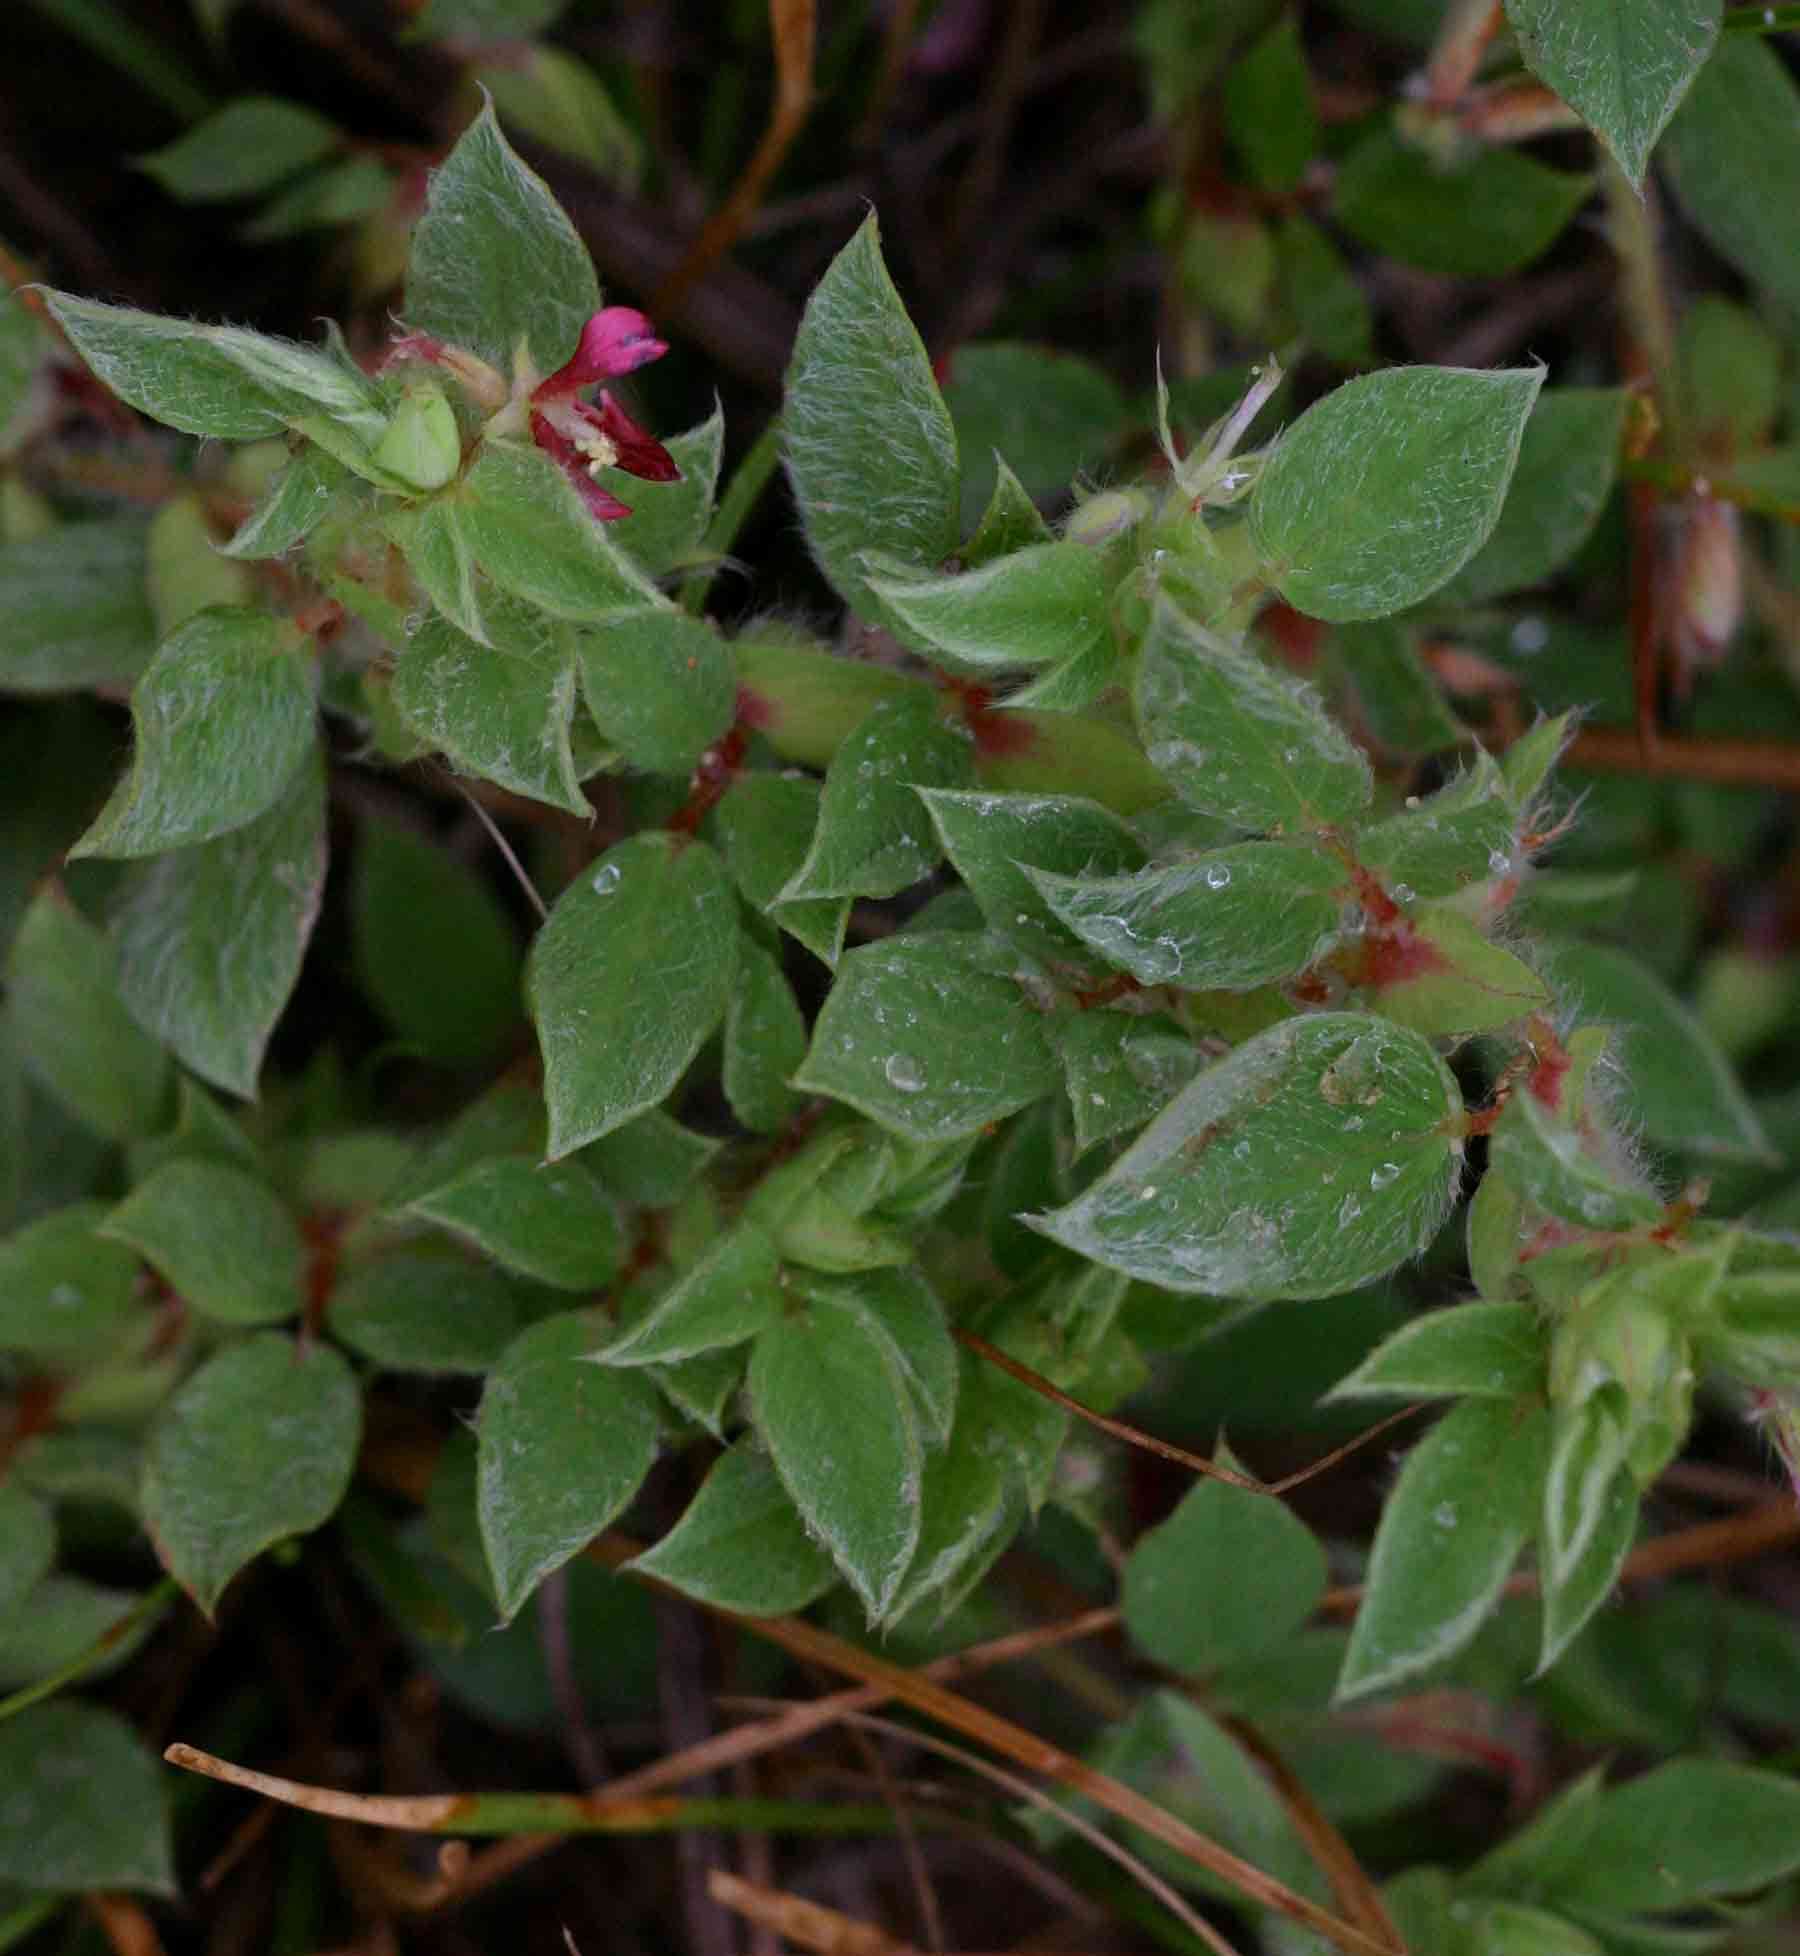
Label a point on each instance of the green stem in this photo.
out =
(748, 480)
(569, 1813)
(151, 1604)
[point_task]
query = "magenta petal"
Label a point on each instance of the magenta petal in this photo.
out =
(569, 458)
(614, 341)
(640, 453)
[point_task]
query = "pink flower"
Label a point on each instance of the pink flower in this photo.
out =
(582, 439)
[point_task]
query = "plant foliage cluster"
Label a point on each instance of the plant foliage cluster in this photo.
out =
(1149, 934)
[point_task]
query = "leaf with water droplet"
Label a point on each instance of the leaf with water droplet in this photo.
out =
(764, 827)
(1465, 1504)
(1227, 921)
(1451, 978)
(996, 840)
(628, 980)
(1484, 1351)
(1121, 1068)
(1556, 1170)
(1231, 1192)
(1448, 840)
(944, 1008)
(1237, 739)
(874, 837)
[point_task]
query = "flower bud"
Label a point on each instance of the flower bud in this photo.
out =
(422, 444)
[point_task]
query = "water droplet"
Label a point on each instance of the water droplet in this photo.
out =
(1444, 1514)
(1379, 1178)
(606, 879)
(411, 623)
(1291, 755)
(1595, 1206)
(1218, 876)
(1499, 862)
(1242, 1150)
(1147, 1193)
(1529, 636)
(904, 1074)
(1348, 1211)
(1404, 893)
(1352, 1122)
(64, 1297)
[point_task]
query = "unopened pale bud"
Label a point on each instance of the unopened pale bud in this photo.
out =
(422, 444)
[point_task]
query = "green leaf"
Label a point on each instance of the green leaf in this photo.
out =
(415, 908)
(1455, 980)
(219, 1237)
(907, 1311)
(220, 380)
(1568, 462)
(651, 1161)
(871, 450)
(1645, 1851)
(24, 350)
(420, 1311)
(85, 1808)
(999, 842)
(1314, 1158)
(552, 1222)
(223, 719)
(210, 938)
(1572, 1593)
(1237, 739)
(337, 193)
(627, 981)
(1728, 369)
(1621, 65)
(765, 1041)
(1226, 1576)
(501, 712)
(257, 1446)
(1733, 153)
(929, 1036)
(1046, 603)
(76, 612)
(668, 520)
(241, 150)
(1485, 216)
(68, 1618)
(1050, 414)
(1675, 1086)
(1269, 113)
(557, 100)
(71, 1029)
(1464, 1506)
(563, 1446)
(874, 836)
(1011, 521)
(434, 539)
(27, 1545)
(65, 1292)
(660, 685)
(834, 1408)
(1319, 292)
(1465, 833)
(741, 1546)
(765, 825)
(495, 262)
(1121, 1068)
(1396, 699)
(729, 1295)
(527, 528)
(292, 507)
(1383, 490)
(1552, 1169)
(1481, 1351)
(1230, 920)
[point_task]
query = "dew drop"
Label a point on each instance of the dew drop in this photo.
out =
(606, 879)
(1529, 636)
(1348, 1211)
(1147, 1193)
(1379, 1178)
(1499, 862)
(1595, 1206)
(1291, 755)
(1242, 1150)
(1404, 893)
(903, 1073)
(1218, 876)
(1444, 1514)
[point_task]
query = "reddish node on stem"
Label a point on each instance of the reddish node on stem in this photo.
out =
(996, 731)
(715, 773)
(1296, 639)
(1395, 954)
